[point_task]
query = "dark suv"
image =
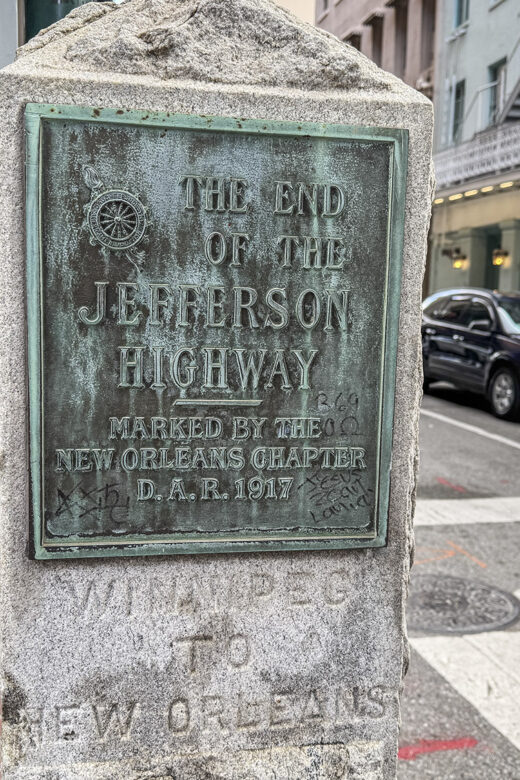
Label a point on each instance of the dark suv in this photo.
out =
(471, 338)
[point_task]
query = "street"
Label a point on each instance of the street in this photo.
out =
(461, 703)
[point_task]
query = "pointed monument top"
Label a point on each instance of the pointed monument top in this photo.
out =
(252, 42)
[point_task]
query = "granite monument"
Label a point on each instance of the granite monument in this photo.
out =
(214, 223)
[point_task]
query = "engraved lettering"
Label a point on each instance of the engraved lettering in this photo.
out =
(215, 360)
(125, 303)
(177, 491)
(334, 253)
(239, 650)
(215, 307)
(244, 300)
(159, 298)
(218, 194)
(215, 195)
(282, 195)
(305, 366)
(32, 721)
(279, 368)
(131, 365)
(312, 709)
(306, 199)
(335, 591)
(333, 200)
(238, 247)
(308, 309)
(281, 704)
(67, 722)
(307, 196)
(179, 716)
(119, 427)
(178, 364)
(298, 584)
(157, 353)
(145, 489)
(215, 248)
(288, 244)
(92, 600)
(250, 369)
(187, 303)
(111, 717)
(194, 645)
(212, 711)
(278, 307)
(237, 189)
(101, 306)
(340, 307)
(249, 713)
(190, 189)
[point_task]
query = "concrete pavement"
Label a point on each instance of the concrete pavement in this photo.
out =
(461, 706)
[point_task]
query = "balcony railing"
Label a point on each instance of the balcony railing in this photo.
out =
(488, 153)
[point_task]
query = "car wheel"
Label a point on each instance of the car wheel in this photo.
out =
(504, 394)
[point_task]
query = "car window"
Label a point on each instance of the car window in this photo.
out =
(454, 311)
(509, 311)
(477, 316)
(435, 308)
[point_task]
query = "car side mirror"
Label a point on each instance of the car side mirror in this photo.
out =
(480, 325)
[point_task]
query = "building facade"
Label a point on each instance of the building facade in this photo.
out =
(398, 35)
(475, 232)
(11, 30)
(20, 20)
(465, 54)
(302, 8)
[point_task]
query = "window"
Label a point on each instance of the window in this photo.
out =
(325, 5)
(377, 39)
(477, 316)
(509, 310)
(461, 12)
(355, 40)
(401, 36)
(497, 80)
(454, 313)
(435, 308)
(427, 33)
(42, 13)
(458, 111)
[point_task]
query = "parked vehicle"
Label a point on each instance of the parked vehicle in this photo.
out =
(471, 338)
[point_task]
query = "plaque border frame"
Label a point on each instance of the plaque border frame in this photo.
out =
(42, 549)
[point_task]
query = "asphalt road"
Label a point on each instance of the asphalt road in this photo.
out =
(459, 463)
(461, 701)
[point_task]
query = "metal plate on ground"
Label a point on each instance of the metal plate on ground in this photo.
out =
(452, 605)
(213, 312)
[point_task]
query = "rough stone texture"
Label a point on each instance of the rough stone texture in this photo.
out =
(301, 666)
(258, 43)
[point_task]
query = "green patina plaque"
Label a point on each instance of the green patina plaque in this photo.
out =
(213, 313)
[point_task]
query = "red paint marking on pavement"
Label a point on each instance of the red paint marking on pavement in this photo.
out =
(467, 554)
(409, 752)
(449, 484)
(438, 554)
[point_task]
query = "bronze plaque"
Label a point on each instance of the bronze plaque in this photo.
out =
(213, 313)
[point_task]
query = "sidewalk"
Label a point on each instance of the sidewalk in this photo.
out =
(461, 704)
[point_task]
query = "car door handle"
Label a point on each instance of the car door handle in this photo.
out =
(456, 337)
(430, 331)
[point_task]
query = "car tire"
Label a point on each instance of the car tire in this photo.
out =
(504, 394)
